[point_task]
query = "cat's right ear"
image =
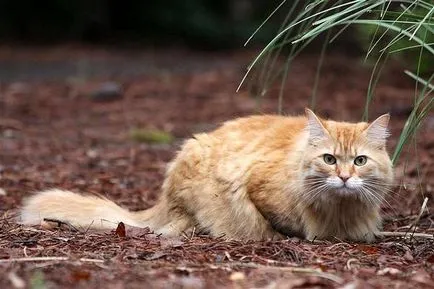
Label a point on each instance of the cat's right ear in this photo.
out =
(317, 131)
(377, 132)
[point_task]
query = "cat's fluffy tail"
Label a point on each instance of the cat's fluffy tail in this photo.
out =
(82, 211)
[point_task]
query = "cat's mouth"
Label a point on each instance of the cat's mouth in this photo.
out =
(344, 190)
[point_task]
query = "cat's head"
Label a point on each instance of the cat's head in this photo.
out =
(347, 159)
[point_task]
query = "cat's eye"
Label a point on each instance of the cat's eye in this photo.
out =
(329, 159)
(360, 160)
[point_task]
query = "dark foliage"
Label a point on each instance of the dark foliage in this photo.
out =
(195, 22)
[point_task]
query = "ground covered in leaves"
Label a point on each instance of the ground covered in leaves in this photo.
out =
(108, 122)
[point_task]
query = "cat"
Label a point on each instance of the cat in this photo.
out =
(255, 178)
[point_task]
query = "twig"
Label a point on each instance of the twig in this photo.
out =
(422, 209)
(42, 259)
(230, 265)
(60, 224)
(351, 261)
(405, 234)
(311, 271)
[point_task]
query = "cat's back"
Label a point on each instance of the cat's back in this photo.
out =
(246, 129)
(239, 140)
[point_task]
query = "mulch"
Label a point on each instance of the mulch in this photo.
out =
(53, 134)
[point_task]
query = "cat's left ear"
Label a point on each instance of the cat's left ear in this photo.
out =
(377, 132)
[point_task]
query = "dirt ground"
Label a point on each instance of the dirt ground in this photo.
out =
(54, 133)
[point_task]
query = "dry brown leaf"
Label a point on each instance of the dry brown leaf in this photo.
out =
(368, 249)
(430, 259)
(120, 230)
(79, 275)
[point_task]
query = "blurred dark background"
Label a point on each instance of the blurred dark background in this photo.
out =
(198, 24)
(205, 24)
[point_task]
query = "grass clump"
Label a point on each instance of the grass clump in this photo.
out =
(37, 280)
(388, 29)
(151, 136)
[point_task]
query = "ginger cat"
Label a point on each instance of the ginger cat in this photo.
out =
(258, 177)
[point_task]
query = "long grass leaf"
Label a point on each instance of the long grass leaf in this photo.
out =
(422, 22)
(265, 21)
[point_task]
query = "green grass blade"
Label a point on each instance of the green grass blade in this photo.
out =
(265, 21)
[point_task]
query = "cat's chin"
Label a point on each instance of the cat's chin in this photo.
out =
(344, 191)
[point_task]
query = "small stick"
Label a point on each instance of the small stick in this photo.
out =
(311, 271)
(39, 259)
(422, 209)
(59, 224)
(405, 234)
(351, 261)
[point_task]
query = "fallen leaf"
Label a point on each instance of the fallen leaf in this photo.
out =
(368, 249)
(80, 276)
(120, 230)
(137, 232)
(430, 259)
(323, 267)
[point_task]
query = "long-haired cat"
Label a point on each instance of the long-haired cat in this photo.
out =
(257, 177)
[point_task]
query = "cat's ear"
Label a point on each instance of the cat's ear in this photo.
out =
(316, 129)
(377, 132)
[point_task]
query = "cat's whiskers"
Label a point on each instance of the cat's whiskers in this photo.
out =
(373, 193)
(379, 185)
(380, 191)
(315, 191)
(362, 196)
(367, 196)
(388, 205)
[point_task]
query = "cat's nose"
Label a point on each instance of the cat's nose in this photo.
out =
(344, 178)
